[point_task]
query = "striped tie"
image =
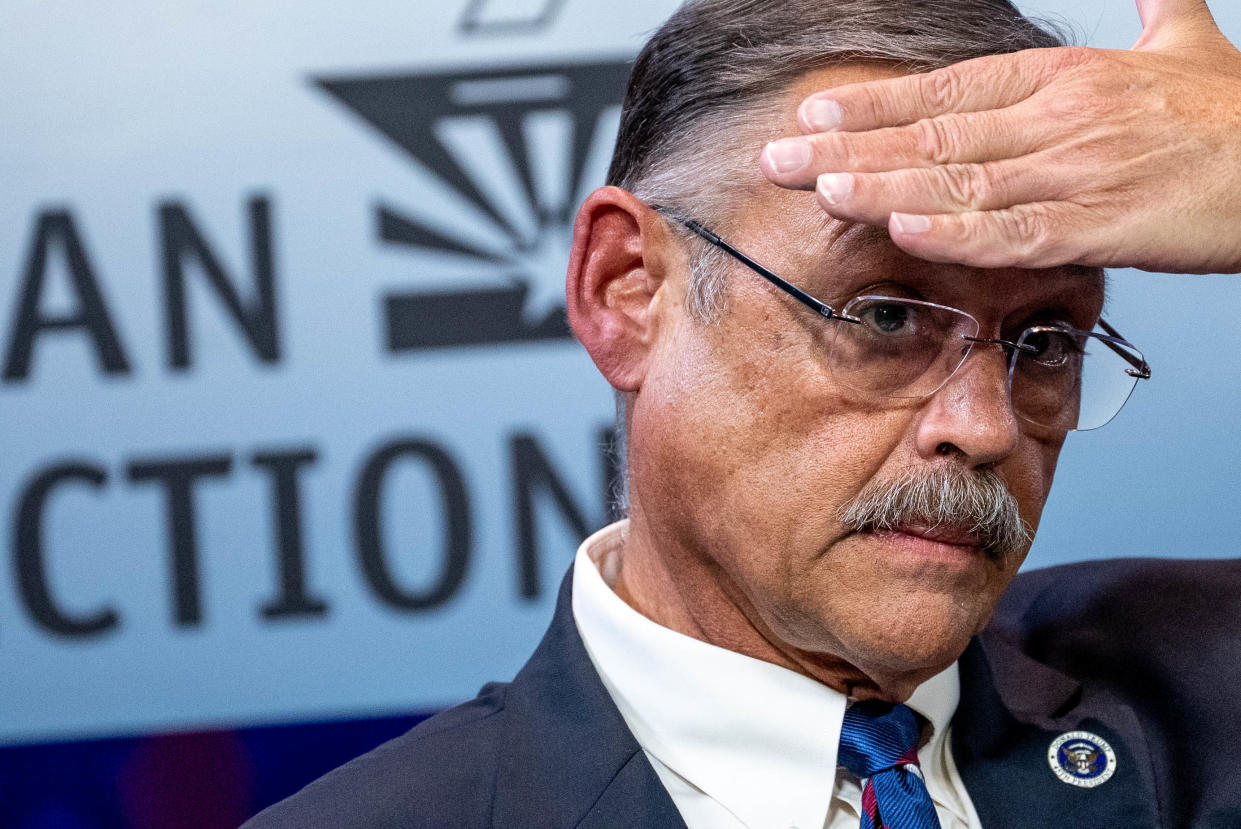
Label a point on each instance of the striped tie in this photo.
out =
(879, 743)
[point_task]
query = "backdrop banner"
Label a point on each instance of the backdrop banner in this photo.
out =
(292, 425)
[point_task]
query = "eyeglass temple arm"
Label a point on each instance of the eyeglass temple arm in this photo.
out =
(821, 308)
(1141, 369)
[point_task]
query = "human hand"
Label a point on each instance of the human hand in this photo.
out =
(1042, 158)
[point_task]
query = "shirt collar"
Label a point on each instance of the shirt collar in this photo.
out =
(748, 733)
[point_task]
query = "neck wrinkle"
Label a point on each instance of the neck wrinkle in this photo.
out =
(644, 581)
(678, 589)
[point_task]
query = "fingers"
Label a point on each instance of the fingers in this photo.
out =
(1039, 235)
(1158, 13)
(870, 198)
(963, 138)
(992, 82)
(1165, 23)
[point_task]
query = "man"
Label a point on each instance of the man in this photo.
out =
(837, 455)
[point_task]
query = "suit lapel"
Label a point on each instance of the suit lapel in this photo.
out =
(569, 759)
(1012, 708)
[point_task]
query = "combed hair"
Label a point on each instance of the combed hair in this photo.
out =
(703, 95)
(716, 67)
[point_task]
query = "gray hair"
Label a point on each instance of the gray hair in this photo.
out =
(705, 92)
(976, 501)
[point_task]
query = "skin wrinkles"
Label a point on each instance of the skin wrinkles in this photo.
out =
(742, 449)
(793, 618)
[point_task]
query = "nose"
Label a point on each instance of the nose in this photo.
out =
(972, 414)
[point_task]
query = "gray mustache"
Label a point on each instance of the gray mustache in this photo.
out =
(942, 496)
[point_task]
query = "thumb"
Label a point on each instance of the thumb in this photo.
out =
(1165, 21)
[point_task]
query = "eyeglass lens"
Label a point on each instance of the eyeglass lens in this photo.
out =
(1074, 380)
(902, 348)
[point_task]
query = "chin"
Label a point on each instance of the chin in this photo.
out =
(925, 656)
(897, 646)
(916, 646)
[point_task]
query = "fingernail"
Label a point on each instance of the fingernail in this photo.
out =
(821, 114)
(910, 223)
(788, 155)
(835, 187)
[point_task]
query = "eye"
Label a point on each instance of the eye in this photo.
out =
(891, 319)
(1040, 341)
(1051, 348)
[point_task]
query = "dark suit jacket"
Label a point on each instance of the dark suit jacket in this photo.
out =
(1141, 652)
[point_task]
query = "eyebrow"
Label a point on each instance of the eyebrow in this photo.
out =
(855, 238)
(866, 236)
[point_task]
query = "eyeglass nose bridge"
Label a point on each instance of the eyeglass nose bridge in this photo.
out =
(1011, 349)
(1007, 345)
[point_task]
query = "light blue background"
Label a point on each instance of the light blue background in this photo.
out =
(1164, 479)
(109, 109)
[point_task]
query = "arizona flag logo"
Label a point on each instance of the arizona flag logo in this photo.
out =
(519, 148)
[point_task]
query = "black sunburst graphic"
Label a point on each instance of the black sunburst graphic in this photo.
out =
(548, 132)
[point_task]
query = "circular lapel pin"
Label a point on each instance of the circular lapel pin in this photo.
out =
(1080, 758)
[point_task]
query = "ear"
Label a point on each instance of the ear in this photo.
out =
(613, 287)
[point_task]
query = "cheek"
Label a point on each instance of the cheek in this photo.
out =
(749, 459)
(1029, 473)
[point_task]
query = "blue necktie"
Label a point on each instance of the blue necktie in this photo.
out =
(879, 743)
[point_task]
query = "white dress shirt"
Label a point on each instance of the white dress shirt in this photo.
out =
(740, 743)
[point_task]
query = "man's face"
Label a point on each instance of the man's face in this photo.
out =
(744, 448)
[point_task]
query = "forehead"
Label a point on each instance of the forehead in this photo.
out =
(787, 231)
(841, 259)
